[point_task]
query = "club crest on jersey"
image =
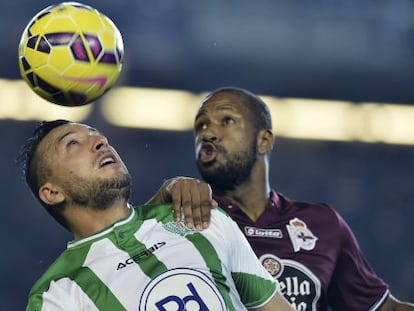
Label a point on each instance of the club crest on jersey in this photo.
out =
(300, 235)
(178, 228)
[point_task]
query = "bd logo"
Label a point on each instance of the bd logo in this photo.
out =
(181, 289)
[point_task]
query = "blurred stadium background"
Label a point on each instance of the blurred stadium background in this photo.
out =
(338, 76)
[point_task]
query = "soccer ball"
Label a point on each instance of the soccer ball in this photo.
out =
(70, 54)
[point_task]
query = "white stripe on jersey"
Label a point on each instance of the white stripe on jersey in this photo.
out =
(178, 252)
(61, 296)
(118, 281)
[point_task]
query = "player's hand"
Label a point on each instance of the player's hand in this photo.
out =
(191, 198)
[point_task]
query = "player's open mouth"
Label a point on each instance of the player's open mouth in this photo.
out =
(107, 160)
(208, 153)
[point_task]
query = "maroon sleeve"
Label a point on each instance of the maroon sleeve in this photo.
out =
(354, 284)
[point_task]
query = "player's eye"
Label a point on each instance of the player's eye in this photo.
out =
(72, 142)
(228, 121)
(199, 126)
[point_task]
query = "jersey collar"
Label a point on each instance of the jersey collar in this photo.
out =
(103, 232)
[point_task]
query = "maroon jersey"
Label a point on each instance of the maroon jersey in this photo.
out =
(313, 253)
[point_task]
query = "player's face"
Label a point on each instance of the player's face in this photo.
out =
(83, 164)
(225, 141)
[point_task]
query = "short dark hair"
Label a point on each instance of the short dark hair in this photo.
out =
(35, 169)
(260, 111)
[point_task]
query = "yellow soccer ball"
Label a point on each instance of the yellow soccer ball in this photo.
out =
(70, 54)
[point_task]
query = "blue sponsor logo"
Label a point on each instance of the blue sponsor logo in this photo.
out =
(180, 303)
(181, 289)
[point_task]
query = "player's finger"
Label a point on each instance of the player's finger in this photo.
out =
(176, 202)
(196, 194)
(175, 194)
(206, 203)
(186, 204)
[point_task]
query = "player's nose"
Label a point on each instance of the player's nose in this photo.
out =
(99, 142)
(210, 134)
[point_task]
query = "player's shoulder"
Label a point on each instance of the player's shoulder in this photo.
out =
(66, 265)
(220, 215)
(221, 223)
(315, 209)
(160, 212)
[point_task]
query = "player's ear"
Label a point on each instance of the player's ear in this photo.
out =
(50, 194)
(265, 141)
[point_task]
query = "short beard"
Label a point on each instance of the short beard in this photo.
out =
(100, 194)
(236, 171)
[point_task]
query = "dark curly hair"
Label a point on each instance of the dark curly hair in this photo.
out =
(35, 168)
(262, 119)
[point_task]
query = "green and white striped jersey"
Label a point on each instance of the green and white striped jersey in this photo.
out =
(149, 262)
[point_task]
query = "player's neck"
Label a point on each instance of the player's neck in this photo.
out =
(252, 196)
(88, 221)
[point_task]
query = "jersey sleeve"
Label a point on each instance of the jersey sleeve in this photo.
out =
(61, 295)
(254, 284)
(355, 286)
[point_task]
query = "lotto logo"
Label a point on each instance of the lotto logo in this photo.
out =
(181, 290)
